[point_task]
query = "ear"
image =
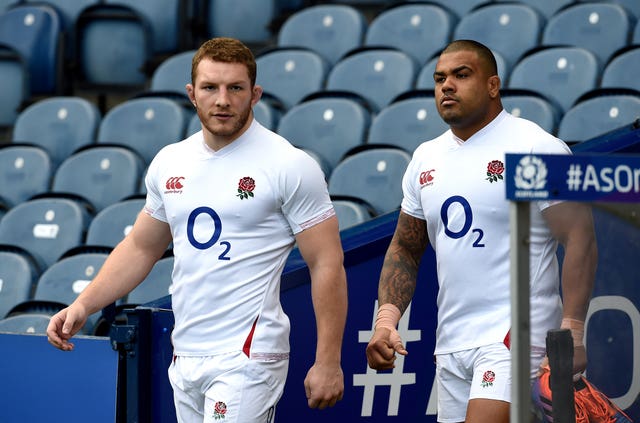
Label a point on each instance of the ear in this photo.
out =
(256, 95)
(191, 94)
(494, 86)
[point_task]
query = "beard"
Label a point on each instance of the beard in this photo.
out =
(229, 129)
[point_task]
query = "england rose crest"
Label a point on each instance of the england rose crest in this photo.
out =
(495, 169)
(246, 187)
(219, 410)
(488, 378)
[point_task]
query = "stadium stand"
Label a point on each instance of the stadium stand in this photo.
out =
(350, 212)
(113, 223)
(230, 18)
(459, 7)
(155, 285)
(632, 6)
(14, 85)
(24, 172)
(332, 30)
(622, 70)
(27, 323)
(18, 277)
(547, 8)
(58, 124)
(172, 75)
(533, 106)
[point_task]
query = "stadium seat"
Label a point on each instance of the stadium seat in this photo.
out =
(45, 227)
(35, 32)
(25, 323)
(156, 285)
(14, 85)
(561, 74)
(114, 48)
(459, 7)
(622, 70)
(144, 124)
(113, 223)
(530, 105)
(407, 123)
(18, 277)
(636, 34)
(373, 175)
(290, 74)
(420, 30)
(246, 20)
(322, 162)
(172, 75)
(24, 172)
(165, 19)
(6, 4)
(424, 80)
(329, 126)
(350, 212)
(547, 8)
(59, 124)
(631, 6)
(509, 29)
(101, 175)
(331, 30)
(268, 112)
(597, 114)
(65, 279)
(377, 74)
(601, 28)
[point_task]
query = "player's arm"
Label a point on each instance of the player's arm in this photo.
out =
(321, 249)
(572, 225)
(396, 287)
(125, 268)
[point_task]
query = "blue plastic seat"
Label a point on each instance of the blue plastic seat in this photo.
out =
(246, 20)
(144, 125)
(102, 175)
(45, 227)
(115, 47)
(329, 126)
(622, 70)
(459, 7)
(35, 32)
(25, 171)
(631, 6)
(113, 223)
(156, 285)
(599, 114)
(290, 74)
(18, 276)
(601, 28)
(350, 213)
(510, 29)
(407, 123)
(377, 74)
(25, 323)
(372, 175)
(530, 105)
(421, 30)
(59, 124)
(332, 30)
(561, 74)
(173, 74)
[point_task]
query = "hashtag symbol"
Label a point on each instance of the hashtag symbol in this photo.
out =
(396, 378)
(574, 177)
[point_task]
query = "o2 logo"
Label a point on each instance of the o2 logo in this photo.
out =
(215, 237)
(468, 220)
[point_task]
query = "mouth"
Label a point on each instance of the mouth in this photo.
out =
(448, 101)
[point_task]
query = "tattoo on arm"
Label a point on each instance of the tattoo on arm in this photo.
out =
(401, 262)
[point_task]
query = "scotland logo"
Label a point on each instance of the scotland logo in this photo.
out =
(531, 177)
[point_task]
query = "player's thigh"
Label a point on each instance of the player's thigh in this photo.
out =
(246, 394)
(481, 410)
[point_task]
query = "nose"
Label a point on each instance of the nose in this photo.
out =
(222, 100)
(447, 85)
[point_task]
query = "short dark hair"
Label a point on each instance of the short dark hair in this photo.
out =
(226, 50)
(484, 53)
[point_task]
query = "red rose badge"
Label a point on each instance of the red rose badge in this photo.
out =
(246, 187)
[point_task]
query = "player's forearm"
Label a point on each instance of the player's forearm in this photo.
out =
(578, 275)
(329, 292)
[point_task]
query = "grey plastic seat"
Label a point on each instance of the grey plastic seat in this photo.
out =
(532, 106)
(246, 20)
(350, 213)
(25, 171)
(26, 323)
(113, 223)
(374, 176)
(14, 85)
(156, 285)
(623, 70)
(59, 124)
(18, 277)
(547, 8)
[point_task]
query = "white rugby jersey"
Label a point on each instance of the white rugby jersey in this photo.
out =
(233, 214)
(458, 188)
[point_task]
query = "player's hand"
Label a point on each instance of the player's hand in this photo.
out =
(579, 363)
(324, 385)
(382, 348)
(64, 324)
